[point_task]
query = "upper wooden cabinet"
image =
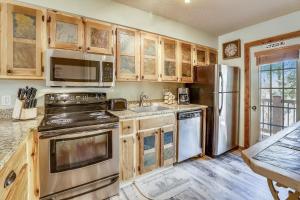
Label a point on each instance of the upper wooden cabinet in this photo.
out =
(186, 62)
(98, 37)
(65, 32)
(201, 55)
(149, 56)
(169, 59)
(128, 54)
(213, 57)
(24, 41)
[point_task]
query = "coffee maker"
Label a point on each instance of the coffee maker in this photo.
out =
(183, 96)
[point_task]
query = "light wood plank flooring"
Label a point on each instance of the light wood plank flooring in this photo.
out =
(226, 177)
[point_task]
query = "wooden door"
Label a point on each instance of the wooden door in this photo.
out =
(213, 57)
(149, 56)
(65, 31)
(98, 37)
(186, 63)
(167, 145)
(127, 157)
(128, 54)
(24, 41)
(201, 55)
(148, 150)
(169, 59)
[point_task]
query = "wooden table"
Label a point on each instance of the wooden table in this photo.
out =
(278, 159)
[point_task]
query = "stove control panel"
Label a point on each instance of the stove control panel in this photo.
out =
(74, 98)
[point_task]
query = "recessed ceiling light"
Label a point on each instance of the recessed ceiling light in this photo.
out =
(187, 1)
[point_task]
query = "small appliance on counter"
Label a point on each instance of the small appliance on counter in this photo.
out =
(169, 98)
(118, 104)
(183, 96)
(25, 105)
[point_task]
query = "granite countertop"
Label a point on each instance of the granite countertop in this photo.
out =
(174, 108)
(12, 134)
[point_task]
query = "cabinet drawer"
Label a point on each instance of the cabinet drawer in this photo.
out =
(16, 166)
(157, 122)
(127, 127)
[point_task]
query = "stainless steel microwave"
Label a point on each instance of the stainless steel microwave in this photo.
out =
(65, 68)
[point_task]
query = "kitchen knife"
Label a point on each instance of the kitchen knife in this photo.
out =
(34, 103)
(19, 93)
(33, 93)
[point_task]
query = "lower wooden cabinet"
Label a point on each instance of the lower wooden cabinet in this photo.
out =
(127, 168)
(167, 145)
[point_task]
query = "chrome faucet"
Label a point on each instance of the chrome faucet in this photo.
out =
(143, 99)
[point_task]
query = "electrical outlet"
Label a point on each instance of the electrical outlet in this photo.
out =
(5, 100)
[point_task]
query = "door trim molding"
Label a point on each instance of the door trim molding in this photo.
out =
(247, 101)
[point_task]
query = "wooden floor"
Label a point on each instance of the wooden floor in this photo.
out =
(226, 177)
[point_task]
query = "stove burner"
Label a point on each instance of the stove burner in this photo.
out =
(97, 114)
(103, 117)
(60, 121)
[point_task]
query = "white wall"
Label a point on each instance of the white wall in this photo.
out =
(113, 12)
(276, 26)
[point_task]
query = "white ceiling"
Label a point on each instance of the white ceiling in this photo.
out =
(217, 16)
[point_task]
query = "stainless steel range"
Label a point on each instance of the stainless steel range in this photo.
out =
(78, 148)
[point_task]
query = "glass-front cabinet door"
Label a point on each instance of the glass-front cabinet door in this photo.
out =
(24, 37)
(201, 55)
(167, 149)
(169, 59)
(213, 57)
(186, 63)
(65, 31)
(98, 37)
(148, 150)
(149, 56)
(128, 54)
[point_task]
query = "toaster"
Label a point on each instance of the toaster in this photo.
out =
(117, 104)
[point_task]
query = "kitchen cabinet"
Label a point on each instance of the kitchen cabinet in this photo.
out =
(169, 59)
(24, 41)
(127, 168)
(65, 31)
(149, 56)
(98, 37)
(167, 142)
(201, 55)
(148, 150)
(19, 175)
(128, 54)
(187, 61)
(213, 57)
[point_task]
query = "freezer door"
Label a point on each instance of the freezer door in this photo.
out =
(229, 78)
(226, 123)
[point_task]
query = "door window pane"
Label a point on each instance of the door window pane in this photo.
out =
(66, 32)
(127, 64)
(24, 55)
(186, 52)
(290, 78)
(170, 68)
(149, 47)
(277, 78)
(169, 50)
(24, 26)
(265, 79)
(127, 44)
(186, 70)
(149, 66)
(99, 38)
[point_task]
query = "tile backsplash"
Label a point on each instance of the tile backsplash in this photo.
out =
(128, 90)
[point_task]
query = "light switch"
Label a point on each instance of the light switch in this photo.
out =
(6, 100)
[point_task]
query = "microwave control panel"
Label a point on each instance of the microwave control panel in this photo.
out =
(107, 71)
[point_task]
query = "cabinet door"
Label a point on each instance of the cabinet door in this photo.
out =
(98, 37)
(169, 57)
(213, 57)
(128, 54)
(168, 145)
(66, 32)
(148, 150)
(186, 63)
(127, 158)
(24, 41)
(149, 56)
(201, 56)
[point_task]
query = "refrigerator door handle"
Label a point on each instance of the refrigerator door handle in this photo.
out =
(222, 90)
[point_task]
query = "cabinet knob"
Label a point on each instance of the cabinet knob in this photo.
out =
(160, 75)
(142, 77)
(11, 177)
(128, 127)
(9, 71)
(124, 141)
(79, 47)
(88, 48)
(137, 76)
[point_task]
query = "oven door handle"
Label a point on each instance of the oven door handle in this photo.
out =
(79, 131)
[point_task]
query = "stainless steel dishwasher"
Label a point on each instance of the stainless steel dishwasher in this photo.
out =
(189, 134)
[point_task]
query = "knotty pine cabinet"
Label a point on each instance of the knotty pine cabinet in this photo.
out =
(213, 57)
(169, 59)
(186, 63)
(22, 30)
(149, 56)
(128, 54)
(201, 55)
(65, 31)
(167, 145)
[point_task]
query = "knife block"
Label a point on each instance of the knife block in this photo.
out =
(21, 113)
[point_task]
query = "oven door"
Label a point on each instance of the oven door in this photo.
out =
(75, 158)
(71, 68)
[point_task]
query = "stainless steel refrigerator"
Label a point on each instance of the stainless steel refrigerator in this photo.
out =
(218, 87)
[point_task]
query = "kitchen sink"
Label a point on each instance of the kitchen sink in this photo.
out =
(149, 109)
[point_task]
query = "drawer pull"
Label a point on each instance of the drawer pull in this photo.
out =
(11, 177)
(128, 127)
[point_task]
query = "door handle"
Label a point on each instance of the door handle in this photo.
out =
(221, 79)
(254, 108)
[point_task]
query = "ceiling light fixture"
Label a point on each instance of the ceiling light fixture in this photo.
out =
(187, 1)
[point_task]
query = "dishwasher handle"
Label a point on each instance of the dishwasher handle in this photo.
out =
(189, 115)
